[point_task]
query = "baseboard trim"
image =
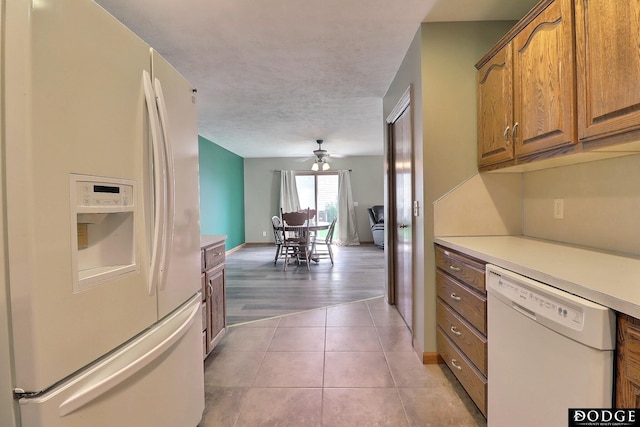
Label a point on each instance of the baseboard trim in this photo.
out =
(232, 250)
(430, 358)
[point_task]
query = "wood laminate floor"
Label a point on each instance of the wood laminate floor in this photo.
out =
(256, 289)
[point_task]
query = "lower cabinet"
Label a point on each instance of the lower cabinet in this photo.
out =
(213, 292)
(462, 321)
(627, 394)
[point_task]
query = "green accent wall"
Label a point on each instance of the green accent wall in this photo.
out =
(221, 192)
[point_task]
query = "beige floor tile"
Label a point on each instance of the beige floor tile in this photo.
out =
(298, 339)
(281, 407)
(387, 317)
(438, 407)
(301, 371)
(291, 369)
(349, 317)
(266, 323)
(356, 369)
(355, 338)
(375, 303)
(408, 371)
(362, 407)
(307, 318)
(222, 406)
(232, 369)
(246, 339)
(358, 305)
(395, 338)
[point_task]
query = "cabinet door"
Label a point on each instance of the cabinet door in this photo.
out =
(607, 40)
(628, 363)
(215, 305)
(544, 82)
(495, 111)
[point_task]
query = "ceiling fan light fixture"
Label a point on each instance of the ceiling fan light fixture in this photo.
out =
(314, 167)
(325, 166)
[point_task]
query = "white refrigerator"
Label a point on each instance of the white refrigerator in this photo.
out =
(100, 321)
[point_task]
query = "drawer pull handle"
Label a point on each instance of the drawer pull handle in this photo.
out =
(454, 268)
(454, 362)
(455, 297)
(455, 330)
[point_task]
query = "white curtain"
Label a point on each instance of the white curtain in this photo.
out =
(346, 224)
(289, 201)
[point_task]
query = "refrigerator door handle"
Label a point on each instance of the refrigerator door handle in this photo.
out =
(124, 370)
(169, 204)
(158, 185)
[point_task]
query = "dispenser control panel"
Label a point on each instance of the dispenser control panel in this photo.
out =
(102, 194)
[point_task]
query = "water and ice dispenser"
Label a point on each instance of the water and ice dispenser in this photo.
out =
(103, 241)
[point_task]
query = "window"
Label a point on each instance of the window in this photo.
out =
(319, 191)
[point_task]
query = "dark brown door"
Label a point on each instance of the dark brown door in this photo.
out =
(400, 132)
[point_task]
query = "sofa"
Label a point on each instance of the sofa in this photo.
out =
(376, 220)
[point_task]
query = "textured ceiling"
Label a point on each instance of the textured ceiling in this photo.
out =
(275, 75)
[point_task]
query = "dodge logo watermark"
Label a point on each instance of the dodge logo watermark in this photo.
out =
(603, 417)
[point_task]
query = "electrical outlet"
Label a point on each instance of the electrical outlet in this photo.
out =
(264, 234)
(558, 208)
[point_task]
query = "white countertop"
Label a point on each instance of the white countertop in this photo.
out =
(607, 278)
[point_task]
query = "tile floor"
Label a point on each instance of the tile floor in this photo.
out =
(348, 365)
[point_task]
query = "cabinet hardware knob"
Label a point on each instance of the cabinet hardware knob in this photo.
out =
(454, 362)
(455, 330)
(455, 297)
(454, 268)
(505, 135)
(514, 131)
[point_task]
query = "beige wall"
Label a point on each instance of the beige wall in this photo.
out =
(484, 205)
(440, 64)
(262, 191)
(601, 204)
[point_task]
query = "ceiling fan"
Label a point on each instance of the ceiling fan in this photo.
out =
(320, 158)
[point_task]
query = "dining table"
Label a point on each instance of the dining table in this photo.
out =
(314, 226)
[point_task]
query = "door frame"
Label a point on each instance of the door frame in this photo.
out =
(390, 206)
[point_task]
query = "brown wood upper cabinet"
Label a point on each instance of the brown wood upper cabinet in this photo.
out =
(608, 63)
(495, 109)
(526, 89)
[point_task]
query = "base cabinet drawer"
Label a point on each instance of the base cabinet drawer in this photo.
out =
(470, 305)
(469, 341)
(464, 269)
(214, 255)
(471, 379)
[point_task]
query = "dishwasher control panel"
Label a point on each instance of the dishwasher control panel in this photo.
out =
(538, 303)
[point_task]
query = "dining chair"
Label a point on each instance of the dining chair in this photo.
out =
(296, 238)
(312, 214)
(278, 235)
(325, 250)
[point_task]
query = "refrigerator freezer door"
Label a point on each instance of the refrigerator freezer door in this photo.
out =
(77, 107)
(157, 380)
(180, 277)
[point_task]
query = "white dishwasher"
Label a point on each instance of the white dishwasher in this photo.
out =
(548, 351)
